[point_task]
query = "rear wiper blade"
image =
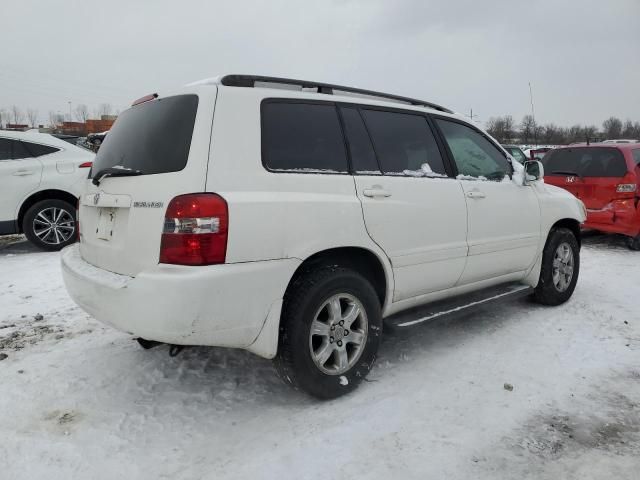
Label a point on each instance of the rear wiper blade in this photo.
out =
(114, 172)
(566, 172)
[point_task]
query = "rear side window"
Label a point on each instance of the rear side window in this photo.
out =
(636, 157)
(5, 149)
(474, 155)
(404, 143)
(38, 150)
(20, 150)
(154, 137)
(302, 137)
(585, 162)
(363, 157)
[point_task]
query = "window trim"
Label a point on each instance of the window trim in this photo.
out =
(447, 157)
(472, 127)
(352, 170)
(263, 155)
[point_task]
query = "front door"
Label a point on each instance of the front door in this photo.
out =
(412, 208)
(503, 217)
(19, 176)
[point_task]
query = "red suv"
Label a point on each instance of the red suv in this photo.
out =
(606, 179)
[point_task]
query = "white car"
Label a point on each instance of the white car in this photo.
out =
(41, 178)
(241, 212)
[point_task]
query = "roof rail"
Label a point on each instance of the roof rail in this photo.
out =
(326, 88)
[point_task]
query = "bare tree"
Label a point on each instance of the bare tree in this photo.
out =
(32, 115)
(509, 127)
(612, 127)
(105, 109)
(527, 129)
(627, 129)
(82, 113)
(3, 116)
(549, 133)
(16, 114)
(55, 119)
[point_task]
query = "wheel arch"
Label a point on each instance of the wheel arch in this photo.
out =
(49, 194)
(360, 259)
(570, 223)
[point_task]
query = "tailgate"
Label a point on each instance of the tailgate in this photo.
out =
(167, 140)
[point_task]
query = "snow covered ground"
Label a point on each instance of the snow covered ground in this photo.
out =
(79, 400)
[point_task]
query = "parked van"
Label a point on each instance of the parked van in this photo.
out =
(289, 218)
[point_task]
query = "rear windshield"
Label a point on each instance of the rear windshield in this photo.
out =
(153, 137)
(585, 162)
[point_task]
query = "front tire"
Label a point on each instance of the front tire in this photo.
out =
(329, 332)
(560, 268)
(50, 224)
(633, 243)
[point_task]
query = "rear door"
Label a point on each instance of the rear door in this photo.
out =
(20, 174)
(503, 217)
(167, 139)
(412, 208)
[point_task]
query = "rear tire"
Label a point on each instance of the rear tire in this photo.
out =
(634, 243)
(50, 224)
(344, 311)
(560, 268)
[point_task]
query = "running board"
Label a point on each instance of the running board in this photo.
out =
(457, 305)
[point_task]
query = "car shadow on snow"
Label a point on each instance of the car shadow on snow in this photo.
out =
(229, 379)
(608, 241)
(16, 245)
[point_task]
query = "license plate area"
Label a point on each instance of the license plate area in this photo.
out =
(106, 223)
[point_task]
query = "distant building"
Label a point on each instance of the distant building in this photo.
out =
(20, 127)
(90, 126)
(97, 126)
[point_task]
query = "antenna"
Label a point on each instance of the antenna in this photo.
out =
(533, 114)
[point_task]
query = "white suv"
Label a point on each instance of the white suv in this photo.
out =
(41, 178)
(289, 218)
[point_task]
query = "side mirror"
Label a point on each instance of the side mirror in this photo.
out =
(533, 171)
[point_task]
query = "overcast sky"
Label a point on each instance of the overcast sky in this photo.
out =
(582, 57)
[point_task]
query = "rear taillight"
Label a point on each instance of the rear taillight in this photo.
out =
(626, 188)
(195, 230)
(85, 165)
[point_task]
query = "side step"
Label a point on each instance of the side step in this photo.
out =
(457, 305)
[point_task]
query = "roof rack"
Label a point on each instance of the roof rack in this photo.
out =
(326, 88)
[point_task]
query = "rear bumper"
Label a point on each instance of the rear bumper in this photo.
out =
(219, 305)
(619, 216)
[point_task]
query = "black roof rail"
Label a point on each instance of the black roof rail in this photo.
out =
(327, 88)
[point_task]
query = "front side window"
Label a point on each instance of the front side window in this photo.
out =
(404, 143)
(585, 162)
(475, 156)
(302, 137)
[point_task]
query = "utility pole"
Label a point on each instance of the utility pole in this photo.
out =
(70, 116)
(533, 114)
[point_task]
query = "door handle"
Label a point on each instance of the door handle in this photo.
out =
(22, 173)
(476, 194)
(376, 192)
